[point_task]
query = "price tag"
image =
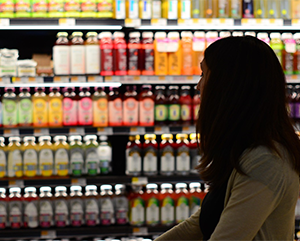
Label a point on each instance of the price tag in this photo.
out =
(48, 234)
(209, 21)
(139, 181)
(79, 79)
(67, 22)
(11, 132)
(77, 131)
(295, 22)
(16, 80)
(78, 181)
(226, 21)
(161, 77)
(41, 132)
(188, 129)
(108, 79)
(39, 79)
(5, 80)
(4, 22)
(159, 22)
(16, 183)
(137, 130)
(133, 23)
(105, 131)
(61, 79)
(161, 129)
(272, 22)
(182, 22)
(95, 79)
(143, 231)
(248, 21)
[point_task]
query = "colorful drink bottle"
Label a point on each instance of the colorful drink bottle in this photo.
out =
(30, 204)
(120, 53)
(40, 107)
(46, 157)
(182, 155)
(184, 9)
(46, 217)
(9, 108)
(76, 156)
(297, 54)
(134, 47)
(106, 206)
(3, 159)
(160, 54)
(146, 106)
(174, 106)
(186, 105)
(92, 53)
(152, 205)
(167, 204)
(150, 150)
(25, 107)
(136, 207)
(130, 107)
(198, 51)
(248, 9)
(196, 104)
(223, 8)
(100, 107)
(120, 202)
(277, 45)
(61, 54)
(187, 54)
(14, 158)
(288, 53)
(76, 206)
(70, 107)
(85, 107)
(3, 208)
(55, 105)
(194, 152)
(147, 54)
(134, 156)
(15, 208)
(91, 206)
(235, 9)
(167, 155)
(92, 165)
(175, 54)
(30, 156)
(211, 7)
(107, 58)
(77, 50)
(161, 106)
(61, 207)
(61, 156)
(182, 211)
(115, 107)
(196, 197)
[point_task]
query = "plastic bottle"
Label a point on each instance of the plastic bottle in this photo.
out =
(14, 158)
(235, 9)
(15, 208)
(225, 34)
(182, 211)
(61, 207)
(115, 107)
(195, 197)
(106, 206)
(175, 54)
(146, 106)
(134, 156)
(187, 52)
(156, 9)
(285, 9)
(107, 60)
(152, 205)
(91, 206)
(277, 45)
(260, 9)
(30, 204)
(147, 54)
(61, 157)
(3, 209)
(76, 156)
(161, 107)
(120, 54)
(100, 107)
(167, 155)
(223, 8)
(3, 160)
(40, 107)
(46, 158)
(132, 9)
(130, 107)
(55, 107)
(145, 9)
(30, 157)
(46, 208)
(150, 151)
(211, 37)
(237, 34)
(288, 53)
(170, 9)
(295, 9)
(183, 165)
(167, 204)
(248, 9)
(184, 9)
(273, 9)
(186, 108)
(136, 207)
(77, 50)
(211, 7)
(25, 107)
(194, 152)
(134, 49)
(9, 108)
(92, 166)
(174, 106)
(297, 54)
(160, 53)
(264, 37)
(92, 53)
(61, 54)
(196, 104)
(76, 207)
(198, 48)
(119, 9)
(120, 202)
(105, 155)
(70, 107)
(198, 10)
(85, 107)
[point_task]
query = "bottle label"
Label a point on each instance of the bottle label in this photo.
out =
(134, 161)
(195, 157)
(105, 156)
(156, 9)
(183, 159)
(105, 9)
(121, 57)
(146, 10)
(70, 117)
(167, 211)
(86, 111)
(167, 162)
(46, 162)
(3, 215)
(15, 214)
(40, 112)
(61, 160)
(289, 64)
(107, 211)
(2, 164)
(92, 162)
(161, 112)
(15, 165)
(133, 58)
(146, 112)
(10, 113)
(137, 217)
(30, 214)
(290, 46)
(150, 160)
(186, 112)
(115, 112)
(133, 9)
(198, 45)
(185, 9)
(149, 59)
(30, 162)
(77, 59)
(25, 112)
(92, 60)
(174, 112)
(76, 212)
(55, 112)
(61, 60)
(46, 214)
(76, 161)
(121, 209)
(88, 8)
(173, 9)
(120, 12)
(195, 203)
(130, 113)
(61, 213)
(152, 211)
(182, 209)
(107, 59)
(196, 111)
(100, 112)
(91, 212)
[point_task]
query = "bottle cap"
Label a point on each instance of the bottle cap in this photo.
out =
(199, 34)
(173, 35)
(14, 138)
(76, 188)
(160, 87)
(28, 138)
(103, 138)
(105, 35)
(118, 35)
(24, 89)
(84, 88)
(2, 190)
(91, 188)
(166, 185)
(173, 87)
(262, 36)
(275, 35)
(15, 189)
(296, 36)
(193, 136)
(181, 185)
(161, 35)
(62, 34)
(70, 89)
(137, 137)
(237, 34)
(287, 36)
(195, 185)
(148, 87)
(60, 138)
(134, 35)
(212, 34)
(91, 34)
(185, 87)
(150, 136)
(7, 89)
(225, 34)
(147, 35)
(76, 34)
(39, 88)
(186, 34)
(151, 186)
(181, 136)
(30, 189)
(75, 138)
(54, 88)
(119, 186)
(60, 189)
(253, 34)
(166, 136)
(44, 138)
(45, 189)
(105, 187)
(90, 137)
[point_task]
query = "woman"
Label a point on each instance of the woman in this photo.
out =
(251, 154)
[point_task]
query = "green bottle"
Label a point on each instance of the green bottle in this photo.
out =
(91, 155)
(76, 156)
(10, 110)
(25, 107)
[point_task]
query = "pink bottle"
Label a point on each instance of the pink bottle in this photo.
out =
(70, 107)
(85, 107)
(107, 58)
(120, 54)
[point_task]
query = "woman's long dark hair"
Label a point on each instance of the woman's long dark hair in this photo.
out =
(243, 106)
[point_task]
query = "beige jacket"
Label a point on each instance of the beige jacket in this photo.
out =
(260, 206)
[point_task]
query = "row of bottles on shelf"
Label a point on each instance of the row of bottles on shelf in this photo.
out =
(166, 158)
(99, 109)
(60, 158)
(137, 207)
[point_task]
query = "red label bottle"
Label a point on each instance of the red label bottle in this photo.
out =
(130, 107)
(196, 104)
(147, 54)
(134, 47)
(186, 110)
(115, 108)
(85, 107)
(146, 106)
(106, 46)
(120, 54)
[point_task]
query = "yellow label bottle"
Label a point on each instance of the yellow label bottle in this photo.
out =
(14, 159)
(187, 52)
(184, 9)
(30, 157)
(3, 159)
(175, 54)
(40, 108)
(295, 9)
(46, 159)
(260, 8)
(160, 54)
(55, 107)
(61, 156)
(100, 108)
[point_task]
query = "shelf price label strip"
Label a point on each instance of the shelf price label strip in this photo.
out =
(105, 131)
(143, 231)
(11, 132)
(41, 132)
(67, 22)
(48, 234)
(79, 181)
(16, 183)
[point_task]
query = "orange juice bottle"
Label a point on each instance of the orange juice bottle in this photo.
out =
(187, 52)
(211, 8)
(100, 108)
(134, 58)
(160, 54)
(55, 107)
(198, 51)
(40, 107)
(174, 55)
(295, 8)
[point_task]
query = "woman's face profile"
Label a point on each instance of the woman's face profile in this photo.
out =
(204, 76)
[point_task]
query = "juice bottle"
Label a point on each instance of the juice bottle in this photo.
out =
(167, 155)
(277, 45)
(196, 104)
(46, 159)
(72, 8)
(211, 37)
(46, 208)
(273, 7)
(237, 34)
(30, 205)
(61, 207)
(134, 49)
(182, 211)
(184, 9)
(100, 107)
(264, 37)
(150, 151)
(77, 50)
(134, 156)
(120, 54)
(61, 157)
(145, 9)
(186, 105)
(175, 54)
(187, 52)
(70, 107)
(55, 107)
(130, 107)
(119, 9)
(235, 9)
(136, 207)
(106, 205)
(105, 9)
(61, 54)
(194, 152)
(161, 106)
(91, 205)
(156, 9)
(14, 158)
(297, 54)
(248, 8)
(167, 204)
(1, 119)
(174, 106)
(147, 54)
(288, 53)
(85, 107)
(40, 107)
(115, 107)
(120, 202)
(30, 156)
(3, 208)
(211, 7)
(198, 48)
(10, 108)
(253, 34)
(225, 34)
(260, 9)
(88, 8)
(286, 9)
(160, 54)
(92, 53)
(198, 10)
(105, 155)
(24, 107)
(146, 106)
(182, 155)
(195, 197)
(15, 209)
(152, 205)
(132, 9)
(170, 9)
(3, 160)
(223, 8)
(295, 9)
(107, 58)
(76, 207)
(92, 166)
(76, 156)
(8, 9)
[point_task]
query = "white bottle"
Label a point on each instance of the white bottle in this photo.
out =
(77, 50)
(76, 207)
(46, 207)
(30, 205)
(15, 208)
(106, 205)
(92, 54)
(91, 206)
(120, 202)
(61, 207)
(105, 155)
(61, 54)
(3, 209)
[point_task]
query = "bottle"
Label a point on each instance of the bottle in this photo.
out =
(253, 34)
(145, 9)
(194, 152)
(3, 208)
(198, 10)
(3, 161)
(25, 107)
(46, 159)
(134, 47)
(134, 156)
(288, 53)
(161, 107)
(181, 202)
(61, 54)
(30, 204)
(156, 9)
(286, 9)
(106, 206)
(277, 45)
(15, 209)
(30, 157)
(146, 106)
(160, 53)
(76, 156)
(91, 205)
(170, 9)
(115, 107)
(186, 105)
(105, 155)
(175, 54)
(77, 50)
(237, 34)
(187, 54)
(120, 202)
(120, 54)
(211, 7)
(225, 34)
(55, 107)
(92, 53)
(40, 107)
(248, 9)
(130, 107)
(14, 158)
(236, 9)
(61, 157)
(152, 205)
(184, 9)
(92, 167)
(70, 107)
(198, 48)
(132, 9)
(264, 37)
(46, 207)
(296, 102)
(106, 47)
(195, 197)
(147, 54)
(85, 107)
(273, 8)
(167, 204)
(119, 9)
(100, 107)
(295, 9)
(211, 37)
(150, 150)
(260, 8)
(76, 207)
(223, 8)
(167, 155)
(182, 155)
(291, 95)
(174, 106)
(61, 207)
(297, 54)
(136, 207)
(9, 108)
(196, 104)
